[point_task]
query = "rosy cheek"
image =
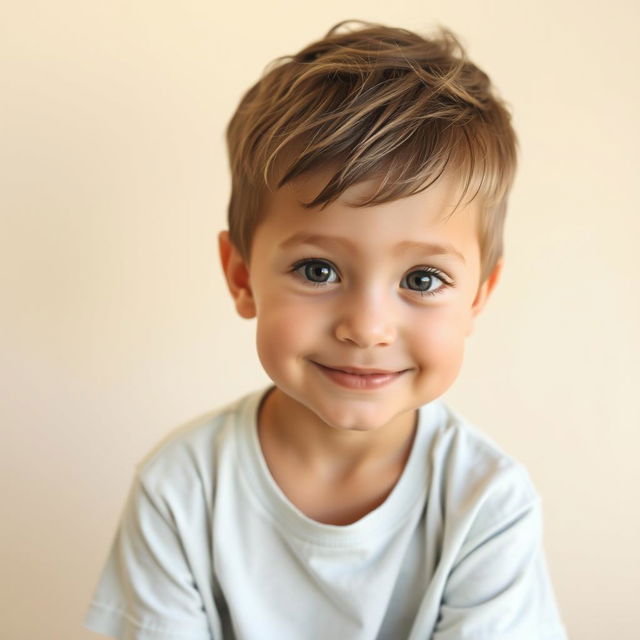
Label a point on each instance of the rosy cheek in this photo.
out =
(439, 341)
(286, 330)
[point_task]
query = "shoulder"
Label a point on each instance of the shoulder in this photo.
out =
(485, 516)
(476, 481)
(191, 452)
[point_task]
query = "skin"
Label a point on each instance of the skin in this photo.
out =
(335, 452)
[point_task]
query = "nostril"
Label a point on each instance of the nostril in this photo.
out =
(365, 336)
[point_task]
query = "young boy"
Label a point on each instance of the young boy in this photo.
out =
(345, 501)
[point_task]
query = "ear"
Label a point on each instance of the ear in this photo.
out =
(236, 273)
(484, 291)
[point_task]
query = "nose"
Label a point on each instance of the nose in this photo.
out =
(366, 320)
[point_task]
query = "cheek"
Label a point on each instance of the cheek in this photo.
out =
(286, 330)
(439, 343)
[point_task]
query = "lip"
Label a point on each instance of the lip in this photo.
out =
(361, 379)
(360, 372)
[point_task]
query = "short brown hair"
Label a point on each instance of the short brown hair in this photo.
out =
(376, 101)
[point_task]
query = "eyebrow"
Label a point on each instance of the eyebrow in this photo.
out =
(431, 248)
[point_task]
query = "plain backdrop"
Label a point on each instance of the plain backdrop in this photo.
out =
(116, 326)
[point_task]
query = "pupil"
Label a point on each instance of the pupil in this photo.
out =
(422, 281)
(318, 272)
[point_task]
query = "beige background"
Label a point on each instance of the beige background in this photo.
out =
(116, 326)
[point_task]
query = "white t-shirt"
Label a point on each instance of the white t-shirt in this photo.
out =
(210, 547)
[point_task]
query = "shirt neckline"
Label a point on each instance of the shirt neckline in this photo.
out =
(408, 494)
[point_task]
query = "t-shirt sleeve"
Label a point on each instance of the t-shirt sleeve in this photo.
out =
(499, 587)
(147, 590)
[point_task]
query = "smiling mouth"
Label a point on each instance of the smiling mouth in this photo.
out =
(359, 379)
(360, 372)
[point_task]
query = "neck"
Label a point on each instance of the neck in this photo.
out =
(290, 426)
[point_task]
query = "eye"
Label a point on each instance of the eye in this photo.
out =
(426, 281)
(316, 272)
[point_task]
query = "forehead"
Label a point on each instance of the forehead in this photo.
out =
(433, 216)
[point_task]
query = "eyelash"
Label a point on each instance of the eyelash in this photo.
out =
(432, 271)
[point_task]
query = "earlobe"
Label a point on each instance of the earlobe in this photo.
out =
(236, 274)
(483, 293)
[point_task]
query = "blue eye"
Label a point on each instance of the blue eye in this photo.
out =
(316, 272)
(427, 281)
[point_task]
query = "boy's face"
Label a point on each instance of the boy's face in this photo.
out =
(352, 288)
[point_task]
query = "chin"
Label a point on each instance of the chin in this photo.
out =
(353, 418)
